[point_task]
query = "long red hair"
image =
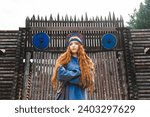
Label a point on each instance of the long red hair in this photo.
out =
(86, 67)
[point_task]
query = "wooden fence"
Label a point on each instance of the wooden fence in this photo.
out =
(8, 64)
(140, 41)
(121, 73)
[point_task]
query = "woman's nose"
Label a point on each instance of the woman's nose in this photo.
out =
(73, 44)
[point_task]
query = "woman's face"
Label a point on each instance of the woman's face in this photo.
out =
(74, 47)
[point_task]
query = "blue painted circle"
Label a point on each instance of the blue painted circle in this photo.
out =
(40, 40)
(109, 41)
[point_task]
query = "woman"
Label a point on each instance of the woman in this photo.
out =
(75, 70)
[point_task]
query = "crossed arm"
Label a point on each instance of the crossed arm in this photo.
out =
(71, 76)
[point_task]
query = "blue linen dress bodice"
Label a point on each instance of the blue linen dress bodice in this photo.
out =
(70, 74)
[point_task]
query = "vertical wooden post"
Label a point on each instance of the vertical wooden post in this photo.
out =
(26, 74)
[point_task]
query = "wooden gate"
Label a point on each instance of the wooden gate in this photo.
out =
(111, 65)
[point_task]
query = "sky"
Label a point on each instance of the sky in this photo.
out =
(14, 12)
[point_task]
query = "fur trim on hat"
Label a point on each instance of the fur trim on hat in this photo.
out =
(75, 38)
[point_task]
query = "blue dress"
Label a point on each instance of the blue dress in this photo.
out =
(70, 74)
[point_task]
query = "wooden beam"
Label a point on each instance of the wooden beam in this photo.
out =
(26, 74)
(73, 28)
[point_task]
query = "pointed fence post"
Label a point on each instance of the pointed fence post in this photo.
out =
(26, 75)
